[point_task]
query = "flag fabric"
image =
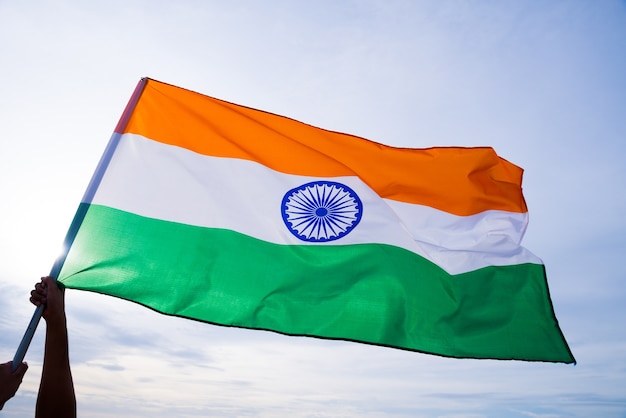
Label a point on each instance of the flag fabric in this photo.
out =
(217, 212)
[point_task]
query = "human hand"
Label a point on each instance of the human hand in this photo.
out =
(47, 293)
(10, 382)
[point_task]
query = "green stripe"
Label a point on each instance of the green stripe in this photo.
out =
(371, 293)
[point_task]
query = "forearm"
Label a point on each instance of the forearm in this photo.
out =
(56, 392)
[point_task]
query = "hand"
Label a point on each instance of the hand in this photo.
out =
(9, 382)
(56, 397)
(48, 294)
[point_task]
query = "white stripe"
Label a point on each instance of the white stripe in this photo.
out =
(171, 183)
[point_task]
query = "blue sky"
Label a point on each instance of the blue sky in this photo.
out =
(541, 82)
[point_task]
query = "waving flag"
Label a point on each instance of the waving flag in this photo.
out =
(209, 210)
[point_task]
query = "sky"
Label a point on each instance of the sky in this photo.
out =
(542, 82)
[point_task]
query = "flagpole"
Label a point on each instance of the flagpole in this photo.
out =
(80, 216)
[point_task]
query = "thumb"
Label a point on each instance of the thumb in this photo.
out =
(21, 369)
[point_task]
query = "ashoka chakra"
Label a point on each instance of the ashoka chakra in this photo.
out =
(321, 211)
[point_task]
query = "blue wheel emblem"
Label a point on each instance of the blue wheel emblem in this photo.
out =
(321, 211)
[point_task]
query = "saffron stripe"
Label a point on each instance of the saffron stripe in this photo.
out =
(461, 181)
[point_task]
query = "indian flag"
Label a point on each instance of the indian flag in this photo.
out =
(204, 209)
